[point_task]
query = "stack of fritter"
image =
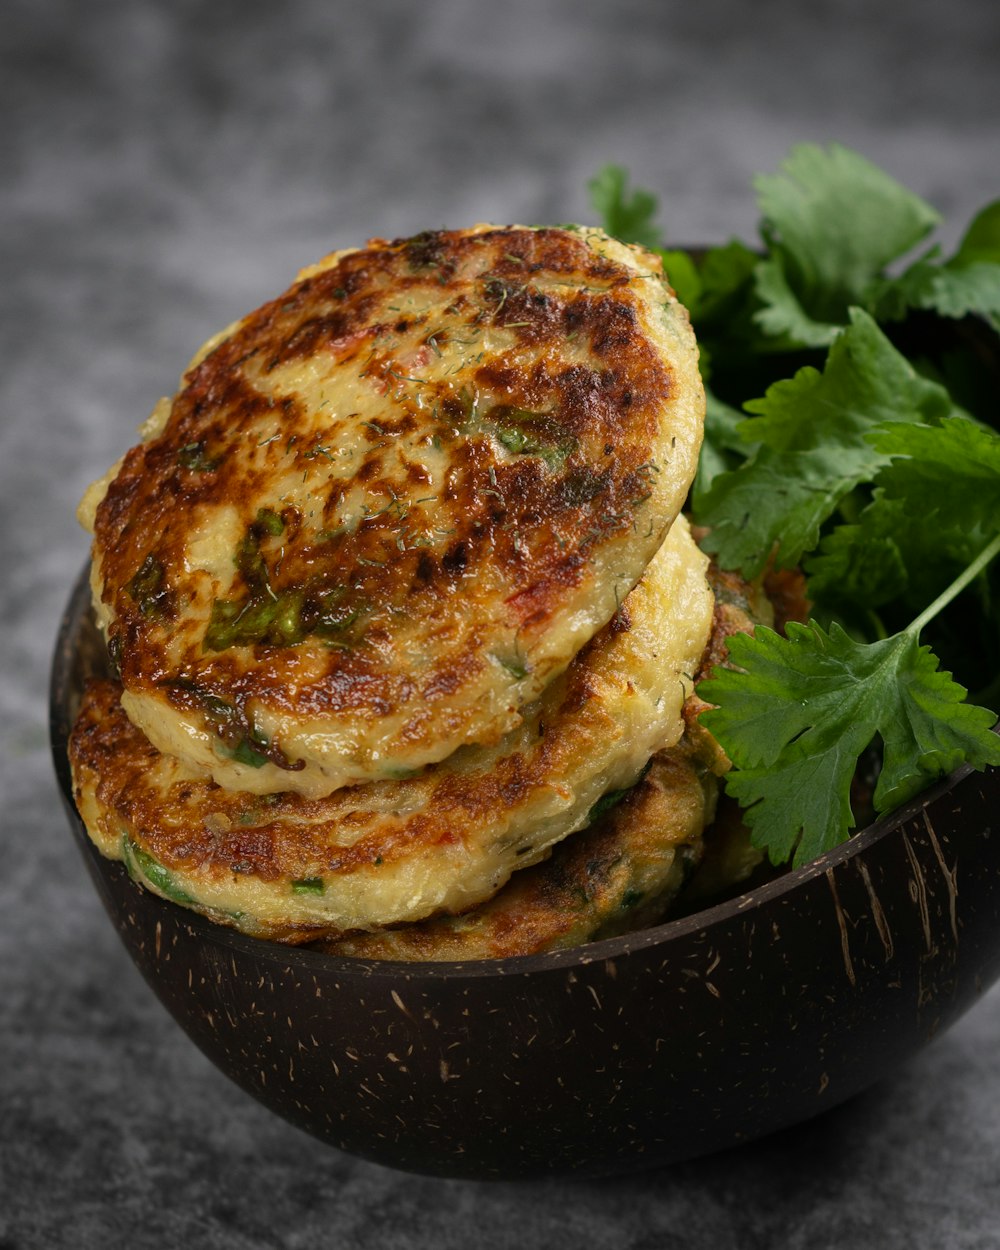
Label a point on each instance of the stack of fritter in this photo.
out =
(398, 598)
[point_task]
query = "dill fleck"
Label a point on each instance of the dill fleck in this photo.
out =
(405, 377)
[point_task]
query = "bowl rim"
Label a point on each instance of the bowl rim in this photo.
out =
(74, 617)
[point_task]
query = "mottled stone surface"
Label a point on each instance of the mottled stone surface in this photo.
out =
(165, 168)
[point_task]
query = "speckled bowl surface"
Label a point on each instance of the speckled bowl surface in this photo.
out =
(680, 1040)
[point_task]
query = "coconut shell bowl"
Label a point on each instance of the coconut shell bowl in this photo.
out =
(674, 1042)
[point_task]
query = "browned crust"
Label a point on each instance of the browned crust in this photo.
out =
(198, 829)
(193, 826)
(592, 886)
(523, 531)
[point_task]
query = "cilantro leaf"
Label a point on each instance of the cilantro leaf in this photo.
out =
(775, 505)
(723, 448)
(949, 473)
(860, 470)
(950, 290)
(925, 519)
(861, 564)
(891, 552)
(798, 715)
(967, 283)
(628, 217)
(683, 276)
(726, 275)
(832, 221)
(864, 383)
(782, 316)
(813, 428)
(981, 242)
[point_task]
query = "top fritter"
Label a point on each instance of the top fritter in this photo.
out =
(387, 508)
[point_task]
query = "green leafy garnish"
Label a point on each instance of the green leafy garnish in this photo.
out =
(833, 222)
(627, 216)
(981, 241)
(683, 276)
(967, 283)
(814, 448)
(852, 429)
(724, 447)
(950, 472)
(796, 713)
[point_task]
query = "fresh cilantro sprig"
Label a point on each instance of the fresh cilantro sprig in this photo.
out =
(841, 440)
(833, 222)
(626, 215)
(813, 448)
(935, 505)
(796, 714)
(968, 282)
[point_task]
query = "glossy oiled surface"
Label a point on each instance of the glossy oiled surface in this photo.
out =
(151, 150)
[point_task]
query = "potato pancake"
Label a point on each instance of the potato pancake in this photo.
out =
(386, 510)
(619, 874)
(294, 868)
(667, 841)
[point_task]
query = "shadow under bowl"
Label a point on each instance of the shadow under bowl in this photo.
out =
(661, 1046)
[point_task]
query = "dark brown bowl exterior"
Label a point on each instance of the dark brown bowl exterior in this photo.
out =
(684, 1039)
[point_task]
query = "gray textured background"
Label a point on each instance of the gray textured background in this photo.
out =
(165, 168)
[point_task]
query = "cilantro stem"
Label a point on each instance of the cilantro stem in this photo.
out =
(991, 550)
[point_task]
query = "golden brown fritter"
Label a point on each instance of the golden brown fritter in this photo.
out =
(295, 868)
(619, 874)
(666, 841)
(385, 511)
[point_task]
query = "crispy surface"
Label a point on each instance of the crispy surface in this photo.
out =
(295, 868)
(617, 875)
(739, 606)
(666, 841)
(385, 510)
